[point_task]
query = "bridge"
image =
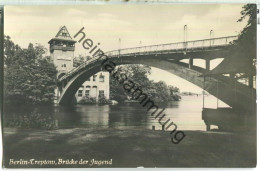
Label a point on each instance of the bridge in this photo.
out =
(169, 57)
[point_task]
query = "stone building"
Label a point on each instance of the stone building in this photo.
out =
(62, 48)
(96, 86)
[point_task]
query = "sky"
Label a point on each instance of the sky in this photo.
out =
(135, 25)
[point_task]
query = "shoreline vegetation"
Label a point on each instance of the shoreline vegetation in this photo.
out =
(139, 75)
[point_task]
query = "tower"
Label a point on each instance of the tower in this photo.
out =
(62, 50)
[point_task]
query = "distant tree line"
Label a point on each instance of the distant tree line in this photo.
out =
(158, 91)
(29, 77)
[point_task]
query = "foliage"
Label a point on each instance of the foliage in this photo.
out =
(136, 73)
(77, 61)
(248, 34)
(173, 89)
(244, 49)
(88, 100)
(158, 91)
(28, 76)
(10, 50)
(92, 100)
(161, 92)
(103, 100)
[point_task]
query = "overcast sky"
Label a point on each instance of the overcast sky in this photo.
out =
(135, 25)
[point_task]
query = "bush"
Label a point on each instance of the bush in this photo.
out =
(88, 100)
(176, 97)
(103, 100)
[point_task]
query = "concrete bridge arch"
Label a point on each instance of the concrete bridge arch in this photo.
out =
(231, 93)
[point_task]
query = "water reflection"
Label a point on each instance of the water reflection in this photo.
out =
(185, 113)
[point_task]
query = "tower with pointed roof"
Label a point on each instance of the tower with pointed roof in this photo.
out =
(62, 48)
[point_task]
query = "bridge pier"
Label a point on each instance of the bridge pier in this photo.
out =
(207, 127)
(232, 76)
(207, 64)
(250, 81)
(190, 62)
(229, 119)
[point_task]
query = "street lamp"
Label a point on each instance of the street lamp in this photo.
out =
(140, 44)
(185, 37)
(185, 32)
(211, 36)
(119, 41)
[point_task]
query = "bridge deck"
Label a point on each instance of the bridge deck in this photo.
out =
(171, 48)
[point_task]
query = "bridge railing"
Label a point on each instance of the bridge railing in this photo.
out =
(154, 49)
(206, 43)
(78, 68)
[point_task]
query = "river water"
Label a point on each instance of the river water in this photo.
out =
(186, 113)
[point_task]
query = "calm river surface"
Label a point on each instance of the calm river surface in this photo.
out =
(185, 113)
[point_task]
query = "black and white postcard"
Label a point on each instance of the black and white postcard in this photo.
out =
(129, 85)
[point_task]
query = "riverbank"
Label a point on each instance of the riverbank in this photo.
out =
(130, 147)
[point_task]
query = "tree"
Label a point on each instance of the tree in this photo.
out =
(241, 58)
(77, 61)
(158, 91)
(173, 89)
(136, 73)
(162, 91)
(10, 48)
(244, 49)
(28, 76)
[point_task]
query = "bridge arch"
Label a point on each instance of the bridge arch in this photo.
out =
(228, 94)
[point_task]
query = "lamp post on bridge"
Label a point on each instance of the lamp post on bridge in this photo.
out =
(140, 44)
(185, 29)
(185, 44)
(211, 35)
(119, 41)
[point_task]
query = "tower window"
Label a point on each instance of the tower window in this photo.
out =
(63, 65)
